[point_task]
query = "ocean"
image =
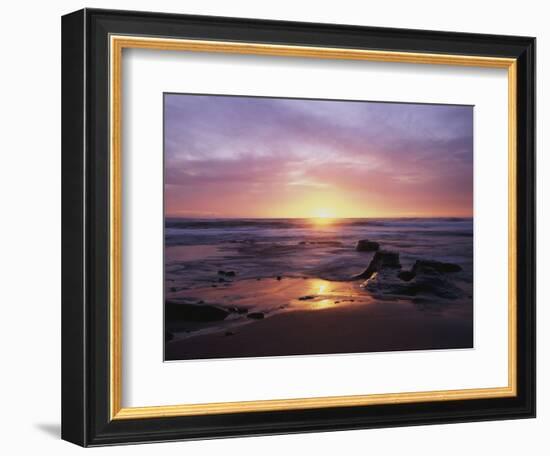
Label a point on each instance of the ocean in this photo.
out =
(307, 247)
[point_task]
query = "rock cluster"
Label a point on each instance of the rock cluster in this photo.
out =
(227, 273)
(385, 278)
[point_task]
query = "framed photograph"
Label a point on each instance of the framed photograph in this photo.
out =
(279, 227)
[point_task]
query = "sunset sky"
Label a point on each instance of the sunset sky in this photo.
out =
(268, 157)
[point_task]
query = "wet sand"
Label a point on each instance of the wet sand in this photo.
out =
(348, 329)
(331, 317)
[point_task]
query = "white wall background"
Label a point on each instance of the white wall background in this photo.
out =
(30, 228)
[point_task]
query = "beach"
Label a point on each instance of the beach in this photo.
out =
(275, 287)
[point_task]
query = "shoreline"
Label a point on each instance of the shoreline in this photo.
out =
(239, 303)
(330, 331)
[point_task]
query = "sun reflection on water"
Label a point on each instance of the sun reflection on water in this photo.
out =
(320, 290)
(318, 287)
(323, 294)
(320, 222)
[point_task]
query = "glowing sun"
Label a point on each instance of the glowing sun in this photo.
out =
(322, 214)
(322, 217)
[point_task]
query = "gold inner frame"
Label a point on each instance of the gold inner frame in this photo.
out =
(117, 44)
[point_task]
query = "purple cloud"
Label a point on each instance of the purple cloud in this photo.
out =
(229, 156)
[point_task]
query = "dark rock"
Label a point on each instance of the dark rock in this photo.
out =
(306, 298)
(174, 289)
(383, 259)
(227, 273)
(387, 259)
(364, 245)
(256, 315)
(279, 277)
(428, 267)
(407, 276)
(432, 286)
(191, 312)
(238, 310)
(384, 284)
(168, 336)
(229, 333)
(387, 284)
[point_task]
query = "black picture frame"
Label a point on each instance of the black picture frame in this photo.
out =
(85, 224)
